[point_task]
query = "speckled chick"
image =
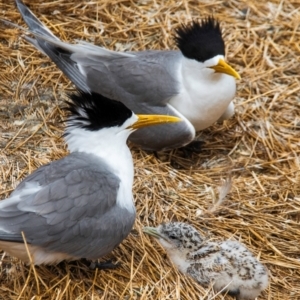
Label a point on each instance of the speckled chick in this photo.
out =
(229, 265)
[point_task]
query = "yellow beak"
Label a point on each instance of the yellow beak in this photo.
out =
(148, 120)
(223, 67)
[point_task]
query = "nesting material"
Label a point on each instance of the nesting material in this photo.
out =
(258, 148)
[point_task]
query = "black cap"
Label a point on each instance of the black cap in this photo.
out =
(200, 40)
(92, 111)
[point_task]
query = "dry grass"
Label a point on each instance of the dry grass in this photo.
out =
(258, 148)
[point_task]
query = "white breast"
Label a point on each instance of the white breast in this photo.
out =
(110, 145)
(204, 95)
(38, 254)
(178, 257)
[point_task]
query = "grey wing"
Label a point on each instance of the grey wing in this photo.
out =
(76, 214)
(55, 170)
(147, 76)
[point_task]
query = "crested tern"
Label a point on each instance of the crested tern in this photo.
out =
(80, 206)
(195, 83)
(228, 265)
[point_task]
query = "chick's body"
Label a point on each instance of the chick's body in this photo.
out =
(231, 266)
(228, 265)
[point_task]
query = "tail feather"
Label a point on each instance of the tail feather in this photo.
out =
(59, 52)
(34, 42)
(33, 22)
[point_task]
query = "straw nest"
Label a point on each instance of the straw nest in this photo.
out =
(256, 151)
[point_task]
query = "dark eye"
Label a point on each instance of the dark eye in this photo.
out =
(173, 237)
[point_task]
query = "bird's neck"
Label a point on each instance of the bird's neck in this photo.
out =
(203, 94)
(111, 146)
(179, 258)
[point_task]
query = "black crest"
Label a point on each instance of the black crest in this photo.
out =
(200, 40)
(93, 111)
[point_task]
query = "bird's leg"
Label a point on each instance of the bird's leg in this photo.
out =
(106, 265)
(193, 147)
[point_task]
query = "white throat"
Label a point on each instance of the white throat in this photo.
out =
(203, 95)
(177, 256)
(110, 145)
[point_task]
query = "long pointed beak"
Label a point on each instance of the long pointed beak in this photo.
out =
(223, 67)
(152, 231)
(149, 120)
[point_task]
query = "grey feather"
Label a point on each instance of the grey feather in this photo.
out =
(64, 214)
(113, 77)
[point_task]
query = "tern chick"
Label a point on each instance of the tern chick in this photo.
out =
(228, 265)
